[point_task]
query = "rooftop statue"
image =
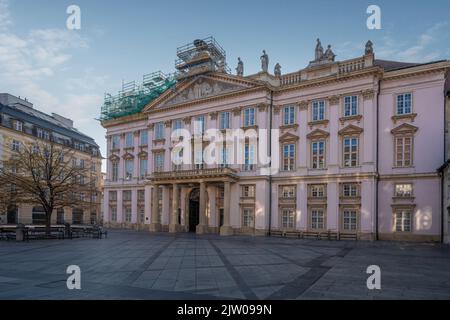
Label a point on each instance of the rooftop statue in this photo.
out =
(277, 70)
(240, 68)
(319, 51)
(369, 48)
(329, 55)
(264, 61)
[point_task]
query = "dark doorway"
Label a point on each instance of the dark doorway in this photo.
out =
(77, 216)
(194, 210)
(220, 217)
(11, 217)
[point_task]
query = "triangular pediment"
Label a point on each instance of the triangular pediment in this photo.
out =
(317, 134)
(288, 137)
(404, 128)
(350, 129)
(200, 88)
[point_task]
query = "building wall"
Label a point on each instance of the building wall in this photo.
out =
(372, 89)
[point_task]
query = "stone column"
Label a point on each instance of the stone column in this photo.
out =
(134, 207)
(155, 226)
(106, 210)
(202, 227)
(226, 229)
(147, 204)
(174, 225)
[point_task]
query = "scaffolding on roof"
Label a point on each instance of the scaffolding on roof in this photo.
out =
(133, 98)
(200, 56)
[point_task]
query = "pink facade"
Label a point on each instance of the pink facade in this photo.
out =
(358, 156)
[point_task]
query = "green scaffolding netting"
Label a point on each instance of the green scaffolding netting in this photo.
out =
(132, 99)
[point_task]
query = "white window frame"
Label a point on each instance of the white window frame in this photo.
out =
(318, 110)
(403, 220)
(224, 120)
(289, 165)
(401, 104)
(351, 106)
(350, 157)
(318, 158)
(288, 115)
(249, 117)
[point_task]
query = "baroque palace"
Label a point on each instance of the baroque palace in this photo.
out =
(22, 124)
(359, 145)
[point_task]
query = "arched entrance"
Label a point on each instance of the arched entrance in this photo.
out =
(194, 209)
(11, 217)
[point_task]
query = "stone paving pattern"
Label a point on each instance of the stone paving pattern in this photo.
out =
(141, 265)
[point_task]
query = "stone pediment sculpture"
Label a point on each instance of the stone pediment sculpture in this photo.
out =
(202, 87)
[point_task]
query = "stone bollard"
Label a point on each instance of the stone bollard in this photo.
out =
(20, 232)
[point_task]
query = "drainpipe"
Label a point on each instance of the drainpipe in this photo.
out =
(270, 162)
(377, 178)
(442, 172)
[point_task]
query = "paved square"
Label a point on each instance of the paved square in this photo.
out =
(140, 265)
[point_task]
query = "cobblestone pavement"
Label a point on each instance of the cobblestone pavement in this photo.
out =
(140, 265)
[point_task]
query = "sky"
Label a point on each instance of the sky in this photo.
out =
(68, 71)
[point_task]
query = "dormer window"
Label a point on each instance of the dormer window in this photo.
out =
(43, 134)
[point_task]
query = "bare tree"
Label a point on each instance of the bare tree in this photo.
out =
(46, 174)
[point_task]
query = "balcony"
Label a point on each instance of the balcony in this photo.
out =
(194, 175)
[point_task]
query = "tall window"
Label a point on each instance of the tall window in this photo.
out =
(288, 218)
(288, 115)
(247, 217)
(317, 219)
(199, 125)
(115, 141)
(224, 157)
(141, 214)
(403, 190)
(249, 117)
(159, 130)
(403, 151)
(143, 167)
(15, 146)
(18, 125)
(288, 192)
(404, 102)
(248, 191)
(318, 110)
(350, 151)
(143, 138)
(350, 220)
(317, 191)
(115, 171)
(113, 196)
(350, 106)
(318, 154)
(224, 119)
(159, 161)
(403, 221)
(127, 214)
(129, 168)
(141, 195)
(114, 214)
(127, 195)
(177, 124)
(288, 157)
(129, 139)
(350, 190)
(249, 156)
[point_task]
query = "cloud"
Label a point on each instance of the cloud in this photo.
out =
(424, 49)
(31, 63)
(5, 17)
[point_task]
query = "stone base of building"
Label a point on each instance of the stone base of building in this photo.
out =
(174, 228)
(411, 237)
(155, 227)
(226, 231)
(201, 229)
